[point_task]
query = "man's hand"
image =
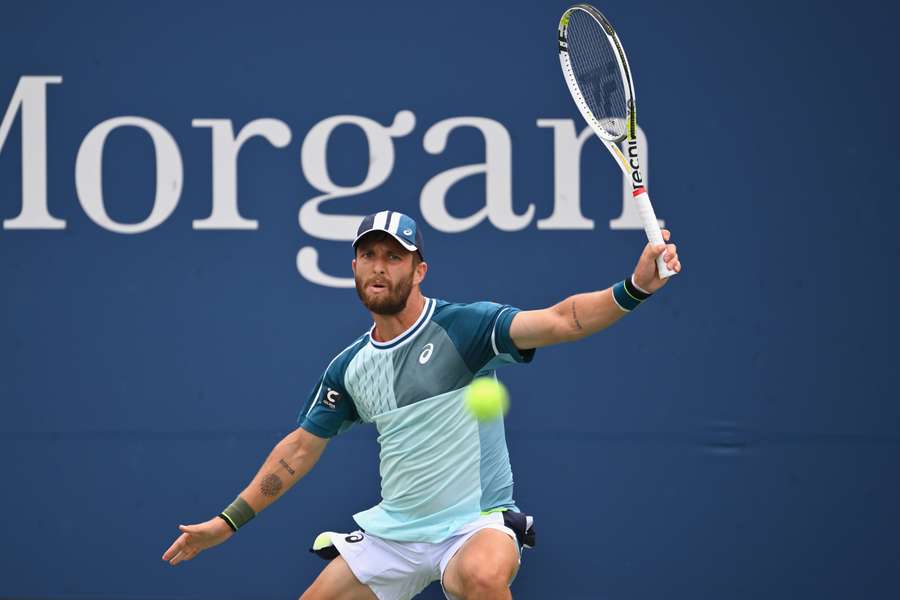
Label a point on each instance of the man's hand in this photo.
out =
(290, 459)
(646, 276)
(197, 538)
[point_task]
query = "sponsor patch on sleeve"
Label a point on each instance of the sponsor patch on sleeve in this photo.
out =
(331, 398)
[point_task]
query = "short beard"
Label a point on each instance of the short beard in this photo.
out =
(388, 304)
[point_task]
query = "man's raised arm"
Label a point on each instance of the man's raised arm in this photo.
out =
(582, 315)
(291, 459)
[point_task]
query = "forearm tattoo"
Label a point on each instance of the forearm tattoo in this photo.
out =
(271, 485)
(575, 317)
(284, 464)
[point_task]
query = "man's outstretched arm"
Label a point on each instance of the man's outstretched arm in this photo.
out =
(582, 315)
(291, 459)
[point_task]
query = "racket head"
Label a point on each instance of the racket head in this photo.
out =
(597, 73)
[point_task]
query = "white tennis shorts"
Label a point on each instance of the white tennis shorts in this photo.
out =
(400, 570)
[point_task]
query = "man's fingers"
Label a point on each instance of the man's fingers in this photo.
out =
(671, 252)
(180, 545)
(173, 551)
(672, 261)
(174, 548)
(666, 234)
(183, 555)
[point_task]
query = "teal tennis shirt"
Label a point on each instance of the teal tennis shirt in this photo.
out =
(440, 468)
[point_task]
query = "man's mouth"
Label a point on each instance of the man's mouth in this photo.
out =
(378, 286)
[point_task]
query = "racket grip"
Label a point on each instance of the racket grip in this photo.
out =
(651, 228)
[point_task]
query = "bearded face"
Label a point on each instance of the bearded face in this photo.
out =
(382, 295)
(384, 273)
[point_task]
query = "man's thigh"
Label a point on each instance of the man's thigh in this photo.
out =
(337, 581)
(488, 555)
(388, 569)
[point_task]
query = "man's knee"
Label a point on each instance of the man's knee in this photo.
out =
(483, 573)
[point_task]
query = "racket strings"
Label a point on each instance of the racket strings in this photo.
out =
(596, 70)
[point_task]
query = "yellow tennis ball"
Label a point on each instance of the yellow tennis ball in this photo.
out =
(487, 399)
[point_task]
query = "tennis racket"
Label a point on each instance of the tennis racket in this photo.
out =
(596, 71)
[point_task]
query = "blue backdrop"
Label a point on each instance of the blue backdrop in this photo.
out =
(736, 437)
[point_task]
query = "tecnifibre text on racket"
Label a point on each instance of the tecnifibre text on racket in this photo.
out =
(596, 71)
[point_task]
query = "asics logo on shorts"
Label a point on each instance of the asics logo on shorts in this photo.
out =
(426, 353)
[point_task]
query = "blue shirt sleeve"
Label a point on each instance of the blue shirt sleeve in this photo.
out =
(505, 351)
(480, 332)
(329, 409)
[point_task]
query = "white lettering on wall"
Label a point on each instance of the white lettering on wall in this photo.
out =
(89, 174)
(30, 97)
(225, 150)
(313, 159)
(566, 176)
(30, 101)
(497, 170)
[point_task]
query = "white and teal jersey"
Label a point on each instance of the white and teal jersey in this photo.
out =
(440, 468)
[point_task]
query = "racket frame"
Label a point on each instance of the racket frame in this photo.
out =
(630, 163)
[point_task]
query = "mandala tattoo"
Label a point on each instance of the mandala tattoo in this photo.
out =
(271, 485)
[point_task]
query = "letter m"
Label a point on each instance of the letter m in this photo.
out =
(30, 98)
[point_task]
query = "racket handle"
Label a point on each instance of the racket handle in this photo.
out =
(651, 228)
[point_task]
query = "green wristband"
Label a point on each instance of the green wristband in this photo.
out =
(238, 514)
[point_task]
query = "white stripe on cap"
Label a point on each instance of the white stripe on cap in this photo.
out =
(395, 223)
(380, 220)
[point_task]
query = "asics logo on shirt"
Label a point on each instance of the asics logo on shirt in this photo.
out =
(426, 353)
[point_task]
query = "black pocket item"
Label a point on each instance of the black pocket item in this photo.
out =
(522, 525)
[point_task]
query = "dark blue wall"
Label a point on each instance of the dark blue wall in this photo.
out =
(737, 437)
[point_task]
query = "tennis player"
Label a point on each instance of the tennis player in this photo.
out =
(447, 511)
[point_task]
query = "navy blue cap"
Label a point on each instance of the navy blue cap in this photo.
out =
(401, 227)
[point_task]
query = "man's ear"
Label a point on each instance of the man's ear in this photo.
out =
(419, 276)
(353, 267)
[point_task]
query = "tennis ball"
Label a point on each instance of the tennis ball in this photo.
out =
(487, 399)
